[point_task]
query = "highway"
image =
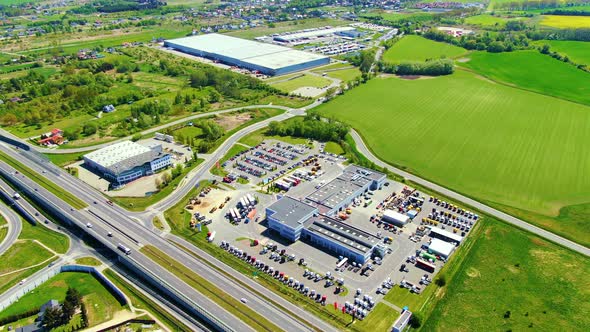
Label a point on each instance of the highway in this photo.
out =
(362, 147)
(115, 215)
(14, 224)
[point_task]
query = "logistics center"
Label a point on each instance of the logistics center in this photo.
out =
(312, 219)
(126, 161)
(266, 58)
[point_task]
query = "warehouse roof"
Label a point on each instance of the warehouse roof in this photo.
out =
(290, 211)
(346, 234)
(445, 234)
(441, 247)
(123, 156)
(262, 54)
(312, 33)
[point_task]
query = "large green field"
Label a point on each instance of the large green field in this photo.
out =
(577, 51)
(487, 140)
(514, 281)
(416, 48)
(534, 71)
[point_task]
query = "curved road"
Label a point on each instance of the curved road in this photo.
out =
(362, 147)
(145, 132)
(14, 225)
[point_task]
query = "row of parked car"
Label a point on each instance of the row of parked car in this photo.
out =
(281, 276)
(270, 158)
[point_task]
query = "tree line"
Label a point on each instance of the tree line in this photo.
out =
(312, 127)
(435, 67)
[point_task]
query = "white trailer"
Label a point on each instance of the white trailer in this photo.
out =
(251, 198)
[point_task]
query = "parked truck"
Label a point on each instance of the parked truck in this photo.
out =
(211, 236)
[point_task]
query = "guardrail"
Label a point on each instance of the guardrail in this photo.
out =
(182, 299)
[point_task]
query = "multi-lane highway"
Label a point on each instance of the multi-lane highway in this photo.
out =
(100, 215)
(105, 217)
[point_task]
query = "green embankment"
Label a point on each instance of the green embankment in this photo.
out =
(487, 140)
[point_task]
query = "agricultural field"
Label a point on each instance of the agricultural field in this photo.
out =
(577, 51)
(299, 81)
(100, 303)
(513, 280)
(487, 20)
(416, 48)
(495, 143)
(402, 16)
(345, 75)
(533, 71)
(564, 22)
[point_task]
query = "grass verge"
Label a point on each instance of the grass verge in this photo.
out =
(90, 261)
(58, 242)
(21, 255)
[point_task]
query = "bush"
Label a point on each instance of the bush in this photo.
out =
(16, 317)
(416, 320)
(441, 281)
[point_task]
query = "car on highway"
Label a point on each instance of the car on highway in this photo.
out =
(89, 225)
(110, 234)
(244, 300)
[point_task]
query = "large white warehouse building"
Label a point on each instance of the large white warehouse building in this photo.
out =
(267, 58)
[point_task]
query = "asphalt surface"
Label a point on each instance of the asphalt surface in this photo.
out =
(362, 147)
(13, 220)
(118, 217)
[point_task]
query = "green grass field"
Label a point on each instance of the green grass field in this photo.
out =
(90, 261)
(292, 84)
(3, 232)
(54, 240)
(333, 147)
(416, 48)
(578, 52)
(487, 20)
(564, 22)
(533, 71)
(100, 303)
(345, 75)
(544, 286)
(22, 255)
(490, 141)
(64, 159)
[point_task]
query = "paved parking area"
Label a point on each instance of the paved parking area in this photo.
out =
(365, 214)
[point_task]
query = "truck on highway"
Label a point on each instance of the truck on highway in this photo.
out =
(124, 249)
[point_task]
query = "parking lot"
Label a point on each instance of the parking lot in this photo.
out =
(239, 224)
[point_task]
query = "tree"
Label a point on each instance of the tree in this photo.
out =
(73, 296)
(84, 314)
(90, 128)
(9, 119)
(211, 130)
(545, 49)
(198, 79)
(52, 317)
(416, 320)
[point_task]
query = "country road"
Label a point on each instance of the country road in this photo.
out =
(362, 147)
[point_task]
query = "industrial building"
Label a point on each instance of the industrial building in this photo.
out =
(126, 161)
(441, 248)
(311, 34)
(265, 58)
(311, 219)
(340, 192)
(445, 235)
(402, 321)
(395, 218)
